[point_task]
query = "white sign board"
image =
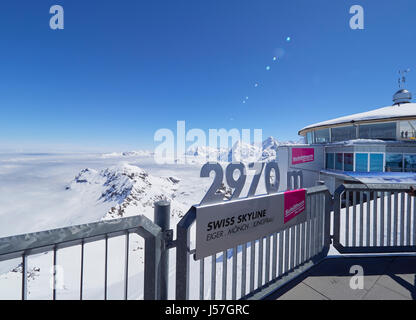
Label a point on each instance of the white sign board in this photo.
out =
(232, 223)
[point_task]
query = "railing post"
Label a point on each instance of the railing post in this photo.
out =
(337, 214)
(162, 219)
(182, 255)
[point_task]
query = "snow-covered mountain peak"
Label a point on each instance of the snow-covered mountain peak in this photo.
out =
(129, 188)
(270, 143)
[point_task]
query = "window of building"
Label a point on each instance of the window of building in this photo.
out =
(361, 162)
(339, 161)
(322, 136)
(394, 162)
(343, 133)
(376, 162)
(348, 162)
(408, 130)
(309, 139)
(410, 162)
(383, 131)
(330, 158)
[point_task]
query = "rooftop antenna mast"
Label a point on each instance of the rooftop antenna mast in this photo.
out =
(402, 96)
(402, 78)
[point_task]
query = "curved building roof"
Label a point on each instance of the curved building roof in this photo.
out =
(397, 112)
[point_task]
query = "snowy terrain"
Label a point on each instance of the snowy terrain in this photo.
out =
(46, 191)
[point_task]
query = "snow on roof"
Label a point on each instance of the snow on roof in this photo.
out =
(400, 111)
(374, 177)
(362, 141)
(384, 177)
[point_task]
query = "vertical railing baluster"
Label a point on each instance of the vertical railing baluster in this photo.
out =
(260, 266)
(389, 217)
(375, 220)
(409, 214)
(24, 277)
(54, 273)
(234, 278)
(81, 285)
(347, 218)
(274, 256)
(252, 263)
(201, 278)
(280, 272)
(402, 218)
(213, 276)
(354, 219)
(368, 220)
(361, 219)
(244, 270)
(292, 246)
(297, 251)
(267, 266)
(396, 219)
(382, 219)
(308, 227)
(321, 216)
(303, 243)
(287, 247)
(126, 266)
(414, 221)
(313, 210)
(106, 268)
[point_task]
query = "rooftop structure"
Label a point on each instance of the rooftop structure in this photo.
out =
(376, 146)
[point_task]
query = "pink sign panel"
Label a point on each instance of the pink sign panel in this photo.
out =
(294, 203)
(302, 155)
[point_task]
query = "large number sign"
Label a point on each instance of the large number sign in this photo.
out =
(226, 224)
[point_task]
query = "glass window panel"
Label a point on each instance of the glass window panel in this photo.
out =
(338, 161)
(309, 138)
(330, 158)
(361, 162)
(394, 162)
(322, 136)
(376, 162)
(410, 163)
(408, 130)
(343, 133)
(348, 162)
(384, 131)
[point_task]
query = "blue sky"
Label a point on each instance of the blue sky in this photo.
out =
(120, 70)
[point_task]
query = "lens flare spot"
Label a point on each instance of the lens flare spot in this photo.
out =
(268, 68)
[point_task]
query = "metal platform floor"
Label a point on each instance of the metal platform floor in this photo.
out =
(385, 278)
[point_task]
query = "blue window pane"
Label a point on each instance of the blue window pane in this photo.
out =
(376, 162)
(394, 162)
(410, 163)
(309, 138)
(338, 161)
(361, 162)
(348, 162)
(330, 158)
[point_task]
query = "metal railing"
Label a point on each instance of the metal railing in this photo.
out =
(52, 241)
(374, 218)
(255, 269)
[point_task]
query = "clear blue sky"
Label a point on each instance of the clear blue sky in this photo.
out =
(120, 70)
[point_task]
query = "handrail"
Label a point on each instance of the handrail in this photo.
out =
(68, 236)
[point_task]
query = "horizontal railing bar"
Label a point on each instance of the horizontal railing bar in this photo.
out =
(88, 232)
(317, 189)
(393, 187)
(385, 249)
